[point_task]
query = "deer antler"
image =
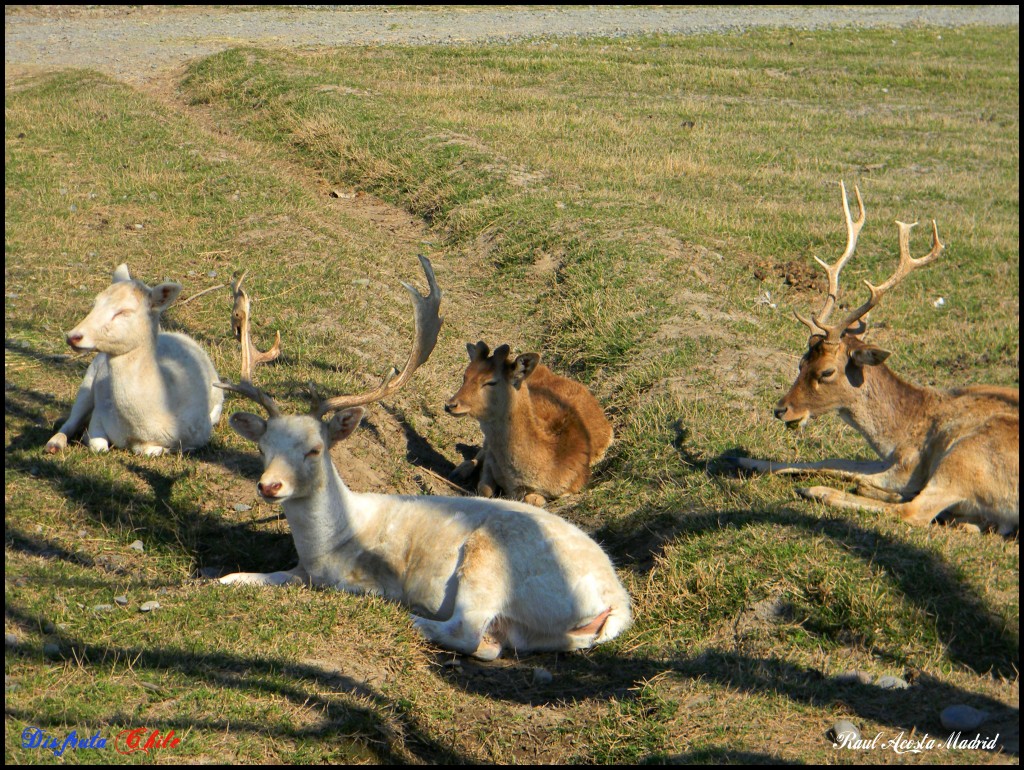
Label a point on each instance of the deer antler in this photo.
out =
(907, 264)
(243, 332)
(250, 353)
(817, 322)
(428, 325)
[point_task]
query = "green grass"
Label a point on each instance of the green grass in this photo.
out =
(607, 203)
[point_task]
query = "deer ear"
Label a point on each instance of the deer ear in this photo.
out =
(161, 297)
(869, 355)
(343, 423)
(477, 351)
(524, 367)
(121, 274)
(248, 425)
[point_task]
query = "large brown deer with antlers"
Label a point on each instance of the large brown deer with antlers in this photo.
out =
(479, 575)
(542, 432)
(955, 451)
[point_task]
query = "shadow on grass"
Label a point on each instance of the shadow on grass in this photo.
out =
(600, 676)
(359, 733)
(160, 515)
(969, 632)
(972, 637)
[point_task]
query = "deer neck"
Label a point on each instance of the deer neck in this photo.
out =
(325, 519)
(888, 412)
(134, 373)
(516, 431)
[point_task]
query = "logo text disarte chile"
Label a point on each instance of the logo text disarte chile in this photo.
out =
(127, 741)
(34, 738)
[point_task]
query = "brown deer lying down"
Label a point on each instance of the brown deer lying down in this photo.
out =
(480, 575)
(955, 451)
(542, 432)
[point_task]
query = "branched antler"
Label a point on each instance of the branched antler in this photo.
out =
(833, 332)
(816, 325)
(251, 356)
(428, 326)
(907, 264)
(243, 332)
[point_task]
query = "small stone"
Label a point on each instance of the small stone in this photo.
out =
(844, 733)
(891, 683)
(137, 546)
(10, 640)
(212, 274)
(960, 717)
(149, 606)
(51, 650)
(361, 282)
(241, 507)
(103, 608)
(542, 676)
(854, 677)
(121, 601)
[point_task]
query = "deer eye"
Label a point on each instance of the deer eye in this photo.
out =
(828, 375)
(314, 452)
(490, 383)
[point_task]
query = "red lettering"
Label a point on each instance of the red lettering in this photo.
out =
(130, 741)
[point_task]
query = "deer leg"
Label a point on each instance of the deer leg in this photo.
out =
(479, 595)
(80, 411)
(149, 450)
(920, 511)
(877, 479)
(284, 577)
(465, 632)
(851, 470)
(96, 436)
(464, 471)
(488, 486)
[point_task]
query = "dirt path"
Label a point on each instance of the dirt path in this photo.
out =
(138, 43)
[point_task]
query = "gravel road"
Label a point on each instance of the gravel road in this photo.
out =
(138, 43)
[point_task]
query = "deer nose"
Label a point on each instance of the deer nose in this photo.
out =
(74, 339)
(269, 489)
(450, 406)
(780, 411)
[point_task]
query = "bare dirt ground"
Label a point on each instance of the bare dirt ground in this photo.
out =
(139, 43)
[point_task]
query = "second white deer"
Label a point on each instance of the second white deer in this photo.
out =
(479, 575)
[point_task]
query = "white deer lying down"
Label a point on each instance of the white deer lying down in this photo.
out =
(146, 390)
(956, 451)
(479, 575)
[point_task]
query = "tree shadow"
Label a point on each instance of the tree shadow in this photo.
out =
(971, 635)
(155, 511)
(602, 676)
(359, 730)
